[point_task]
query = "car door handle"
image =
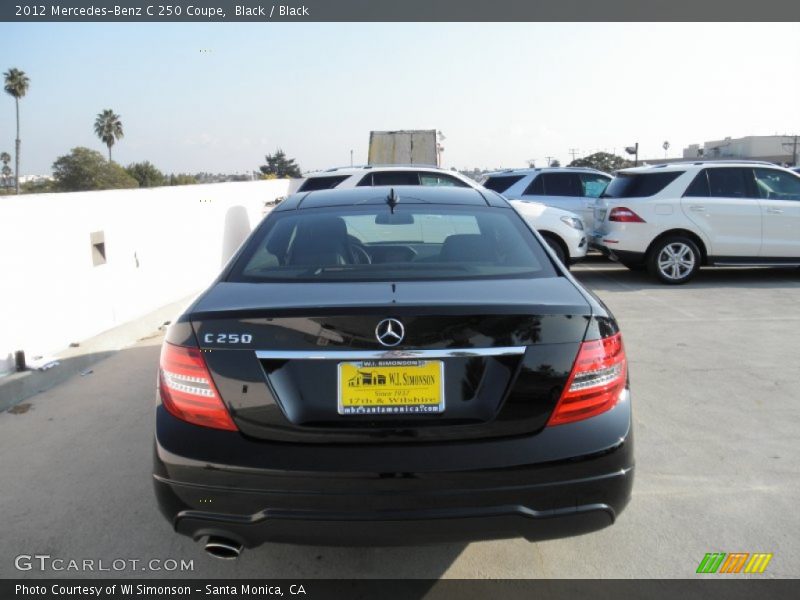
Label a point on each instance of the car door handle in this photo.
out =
(775, 211)
(697, 208)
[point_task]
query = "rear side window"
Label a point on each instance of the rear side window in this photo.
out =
(321, 183)
(639, 185)
(699, 186)
(593, 185)
(500, 183)
(390, 178)
(728, 182)
(439, 179)
(560, 184)
(777, 185)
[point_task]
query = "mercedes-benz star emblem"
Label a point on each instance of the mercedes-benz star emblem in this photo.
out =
(390, 332)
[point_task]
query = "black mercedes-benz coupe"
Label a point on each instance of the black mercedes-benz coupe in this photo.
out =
(392, 366)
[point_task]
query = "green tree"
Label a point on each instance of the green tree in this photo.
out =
(108, 128)
(146, 174)
(182, 179)
(5, 171)
(84, 169)
(38, 187)
(280, 167)
(602, 161)
(16, 85)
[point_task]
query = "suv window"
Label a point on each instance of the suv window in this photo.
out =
(639, 185)
(593, 184)
(390, 178)
(439, 179)
(728, 182)
(556, 184)
(699, 186)
(500, 183)
(777, 185)
(321, 183)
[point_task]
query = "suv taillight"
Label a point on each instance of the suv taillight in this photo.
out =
(622, 214)
(596, 382)
(187, 390)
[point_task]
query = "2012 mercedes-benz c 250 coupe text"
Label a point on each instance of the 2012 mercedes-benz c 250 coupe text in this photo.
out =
(392, 366)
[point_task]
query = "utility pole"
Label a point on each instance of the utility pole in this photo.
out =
(573, 152)
(549, 159)
(351, 158)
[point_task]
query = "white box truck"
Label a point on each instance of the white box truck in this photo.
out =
(404, 147)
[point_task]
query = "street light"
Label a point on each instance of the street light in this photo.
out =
(635, 151)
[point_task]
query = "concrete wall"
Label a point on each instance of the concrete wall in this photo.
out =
(161, 244)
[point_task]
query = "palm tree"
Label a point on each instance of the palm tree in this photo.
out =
(108, 128)
(5, 172)
(16, 84)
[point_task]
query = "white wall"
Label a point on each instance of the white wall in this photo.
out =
(162, 244)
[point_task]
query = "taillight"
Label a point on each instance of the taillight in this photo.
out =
(187, 390)
(622, 214)
(596, 382)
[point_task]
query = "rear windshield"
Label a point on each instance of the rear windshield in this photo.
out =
(370, 243)
(501, 183)
(321, 183)
(639, 185)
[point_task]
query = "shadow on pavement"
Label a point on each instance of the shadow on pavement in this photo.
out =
(77, 485)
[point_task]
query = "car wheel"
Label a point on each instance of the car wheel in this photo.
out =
(674, 260)
(558, 248)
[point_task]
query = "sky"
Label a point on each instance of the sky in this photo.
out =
(218, 97)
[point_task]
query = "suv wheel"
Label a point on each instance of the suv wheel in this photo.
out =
(674, 260)
(558, 248)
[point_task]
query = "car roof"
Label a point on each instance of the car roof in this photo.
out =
(364, 168)
(695, 164)
(378, 194)
(529, 170)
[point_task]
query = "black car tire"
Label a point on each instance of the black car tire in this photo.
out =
(558, 248)
(674, 260)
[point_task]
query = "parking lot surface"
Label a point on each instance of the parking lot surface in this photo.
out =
(714, 371)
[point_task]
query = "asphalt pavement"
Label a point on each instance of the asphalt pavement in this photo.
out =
(714, 371)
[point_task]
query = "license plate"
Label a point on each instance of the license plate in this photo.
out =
(391, 387)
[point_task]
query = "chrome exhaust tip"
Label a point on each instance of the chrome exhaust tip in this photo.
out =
(223, 548)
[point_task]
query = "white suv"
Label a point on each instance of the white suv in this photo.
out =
(575, 189)
(563, 230)
(674, 218)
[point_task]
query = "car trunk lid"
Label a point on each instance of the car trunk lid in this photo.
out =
(279, 354)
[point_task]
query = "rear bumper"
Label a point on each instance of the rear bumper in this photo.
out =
(442, 500)
(625, 256)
